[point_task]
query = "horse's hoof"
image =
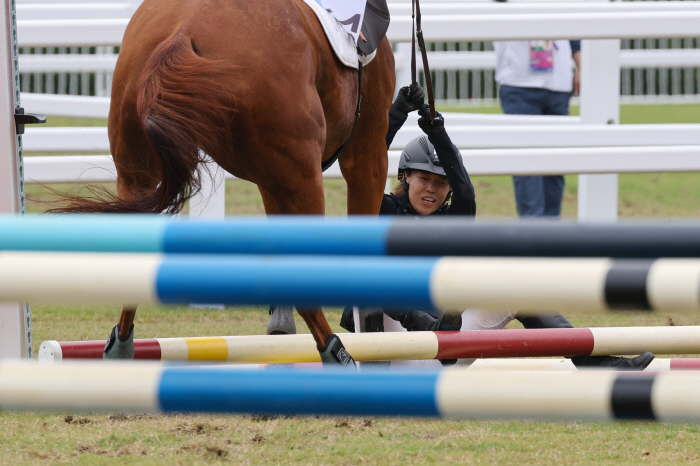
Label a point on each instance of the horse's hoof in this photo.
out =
(116, 348)
(281, 321)
(334, 353)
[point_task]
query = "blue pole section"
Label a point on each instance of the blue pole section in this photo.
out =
(327, 392)
(299, 280)
(156, 233)
(83, 232)
(361, 236)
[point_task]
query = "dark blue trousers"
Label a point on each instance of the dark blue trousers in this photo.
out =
(536, 196)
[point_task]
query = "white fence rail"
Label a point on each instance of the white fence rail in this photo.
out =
(534, 161)
(89, 139)
(458, 76)
(439, 28)
(502, 149)
(668, 58)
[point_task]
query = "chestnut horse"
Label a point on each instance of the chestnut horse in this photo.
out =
(256, 86)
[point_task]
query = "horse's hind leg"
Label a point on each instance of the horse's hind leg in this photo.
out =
(364, 162)
(307, 198)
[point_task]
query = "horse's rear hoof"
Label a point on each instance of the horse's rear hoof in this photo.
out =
(334, 353)
(116, 348)
(281, 321)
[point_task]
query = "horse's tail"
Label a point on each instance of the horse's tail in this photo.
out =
(185, 113)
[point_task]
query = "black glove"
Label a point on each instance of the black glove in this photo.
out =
(436, 126)
(410, 98)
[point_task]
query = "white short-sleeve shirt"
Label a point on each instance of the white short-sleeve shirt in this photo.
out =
(513, 66)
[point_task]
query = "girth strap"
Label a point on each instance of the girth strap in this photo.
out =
(418, 33)
(331, 161)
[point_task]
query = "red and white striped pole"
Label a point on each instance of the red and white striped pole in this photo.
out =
(509, 343)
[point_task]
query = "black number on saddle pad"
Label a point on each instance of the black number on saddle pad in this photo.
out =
(355, 21)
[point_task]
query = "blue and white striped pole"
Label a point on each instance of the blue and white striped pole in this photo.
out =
(582, 396)
(348, 236)
(451, 283)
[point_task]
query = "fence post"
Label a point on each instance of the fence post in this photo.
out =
(402, 58)
(600, 104)
(15, 318)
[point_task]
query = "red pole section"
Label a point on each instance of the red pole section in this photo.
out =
(143, 349)
(520, 343)
(685, 364)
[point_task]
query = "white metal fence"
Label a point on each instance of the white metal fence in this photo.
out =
(620, 149)
(653, 70)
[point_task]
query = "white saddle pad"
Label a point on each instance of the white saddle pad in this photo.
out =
(342, 42)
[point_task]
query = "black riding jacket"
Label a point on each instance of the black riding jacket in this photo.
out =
(463, 202)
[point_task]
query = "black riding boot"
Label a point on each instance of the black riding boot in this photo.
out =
(622, 364)
(419, 320)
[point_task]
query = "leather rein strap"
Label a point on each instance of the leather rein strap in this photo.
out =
(418, 33)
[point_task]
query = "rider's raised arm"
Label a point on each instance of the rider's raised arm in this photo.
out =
(463, 198)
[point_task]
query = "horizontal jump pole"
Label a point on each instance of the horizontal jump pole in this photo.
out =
(388, 346)
(582, 396)
(446, 284)
(354, 236)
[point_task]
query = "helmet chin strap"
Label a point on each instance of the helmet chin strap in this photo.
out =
(447, 199)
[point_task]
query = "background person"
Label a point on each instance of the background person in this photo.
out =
(536, 78)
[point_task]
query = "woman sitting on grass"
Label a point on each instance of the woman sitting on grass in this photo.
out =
(434, 182)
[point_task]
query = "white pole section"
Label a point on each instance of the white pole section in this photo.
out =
(15, 318)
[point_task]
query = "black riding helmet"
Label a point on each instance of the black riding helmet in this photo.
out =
(419, 154)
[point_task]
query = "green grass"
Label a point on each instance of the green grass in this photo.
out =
(101, 438)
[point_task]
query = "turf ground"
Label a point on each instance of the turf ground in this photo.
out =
(100, 438)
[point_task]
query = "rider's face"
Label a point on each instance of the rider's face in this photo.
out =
(426, 191)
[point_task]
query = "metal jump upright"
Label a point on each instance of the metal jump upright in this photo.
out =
(15, 318)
